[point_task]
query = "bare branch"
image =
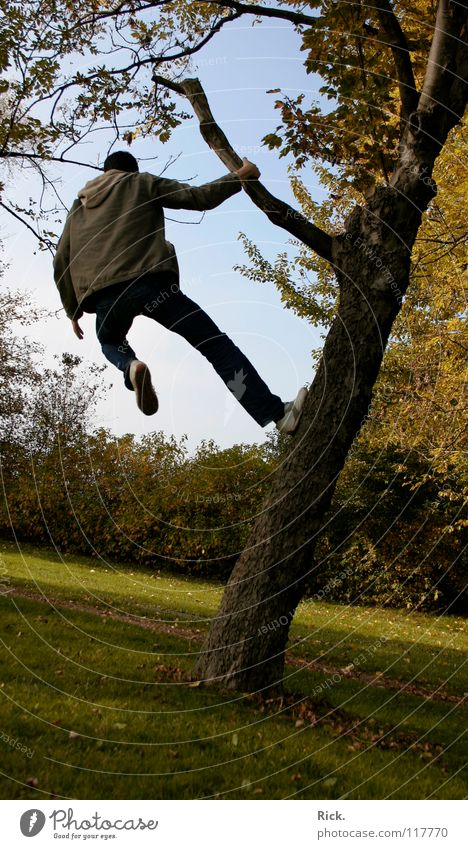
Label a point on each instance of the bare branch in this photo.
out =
(38, 236)
(179, 220)
(13, 154)
(279, 212)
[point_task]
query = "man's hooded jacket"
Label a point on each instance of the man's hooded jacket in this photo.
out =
(115, 231)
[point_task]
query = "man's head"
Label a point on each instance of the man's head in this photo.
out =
(122, 161)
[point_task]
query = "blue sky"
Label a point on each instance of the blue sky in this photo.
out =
(236, 70)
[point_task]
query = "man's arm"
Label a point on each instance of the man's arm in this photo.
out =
(63, 278)
(174, 195)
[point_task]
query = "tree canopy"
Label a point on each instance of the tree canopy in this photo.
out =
(71, 70)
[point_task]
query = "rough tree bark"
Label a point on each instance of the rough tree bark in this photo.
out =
(246, 644)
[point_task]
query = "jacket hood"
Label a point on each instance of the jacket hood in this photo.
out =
(96, 191)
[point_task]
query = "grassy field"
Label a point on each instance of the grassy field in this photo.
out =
(98, 701)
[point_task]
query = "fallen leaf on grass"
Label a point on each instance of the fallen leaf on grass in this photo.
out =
(357, 746)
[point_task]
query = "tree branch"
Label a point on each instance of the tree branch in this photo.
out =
(441, 104)
(189, 51)
(264, 11)
(399, 46)
(241, 8)
(13, 154)
(445, 80)
(278, 212)
(38, 236)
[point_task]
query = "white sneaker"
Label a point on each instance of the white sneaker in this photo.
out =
(146, 397)
(292, 413)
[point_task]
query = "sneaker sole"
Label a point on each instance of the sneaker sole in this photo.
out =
(146, 398)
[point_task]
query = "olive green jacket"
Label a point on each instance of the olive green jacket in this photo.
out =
(115, 230)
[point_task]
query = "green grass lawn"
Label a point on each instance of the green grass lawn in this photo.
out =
(98, 702)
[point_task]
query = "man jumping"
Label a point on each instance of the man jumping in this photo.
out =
(113, 260)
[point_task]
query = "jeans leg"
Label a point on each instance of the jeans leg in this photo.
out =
(112, 327)
(183, 316)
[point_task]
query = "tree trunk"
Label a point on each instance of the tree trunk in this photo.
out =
(246, 644)
(247, 640)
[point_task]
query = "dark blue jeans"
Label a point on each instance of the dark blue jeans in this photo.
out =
(160, 298)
